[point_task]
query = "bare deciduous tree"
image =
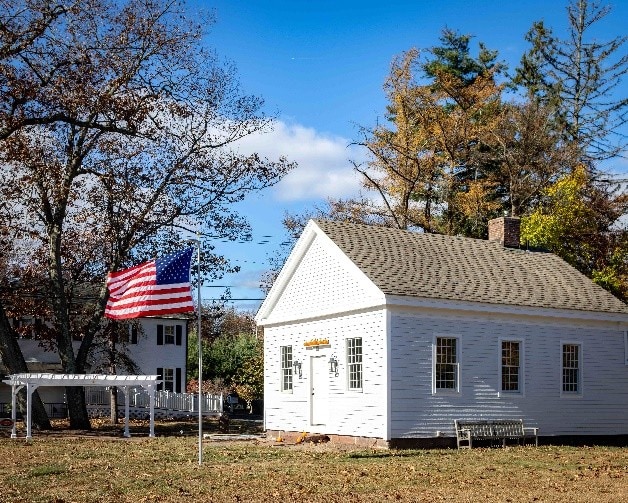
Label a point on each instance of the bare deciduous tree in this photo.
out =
(128, 149)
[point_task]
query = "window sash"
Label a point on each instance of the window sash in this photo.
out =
(354, 363)
(446, 364)
(168, 334)
(511, 366)
(571, 368)
(286, 368)
(168, 379)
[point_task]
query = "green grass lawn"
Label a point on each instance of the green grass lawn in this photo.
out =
(70, 468)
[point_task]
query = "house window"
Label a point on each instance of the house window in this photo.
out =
(169, 334)
(354, 363)
(572, 376)
(28, 328)
(511, 367)
(128, 335)
(168, 379)
(446, 364)
(286, 368)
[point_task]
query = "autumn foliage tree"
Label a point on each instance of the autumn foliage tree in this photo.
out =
(428, 161)
(117, 130)
(233, 354)
(576, 221)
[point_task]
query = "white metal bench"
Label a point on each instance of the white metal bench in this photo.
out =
(500, 429)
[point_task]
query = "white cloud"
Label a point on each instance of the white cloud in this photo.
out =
(323, 168)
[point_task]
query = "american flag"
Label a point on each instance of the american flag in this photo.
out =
(154, 288)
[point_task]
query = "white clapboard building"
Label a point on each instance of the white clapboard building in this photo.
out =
(386, 337)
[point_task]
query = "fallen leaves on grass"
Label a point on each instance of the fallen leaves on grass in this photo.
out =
(165, 469)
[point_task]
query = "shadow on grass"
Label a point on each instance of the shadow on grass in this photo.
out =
(383, 454)
(102, 427)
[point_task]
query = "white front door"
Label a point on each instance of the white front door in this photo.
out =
(319, 390)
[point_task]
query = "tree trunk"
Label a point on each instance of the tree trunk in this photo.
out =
(13, 360)
(114, 404)
(77, 410)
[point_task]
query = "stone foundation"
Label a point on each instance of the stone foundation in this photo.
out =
(291, 437)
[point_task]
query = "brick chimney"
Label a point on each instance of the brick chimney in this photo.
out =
(505, 230)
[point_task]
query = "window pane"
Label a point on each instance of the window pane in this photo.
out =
(354, 362)
(168, 379)
(571, 368)
(286, 368)
(446, 363)
(169, 334)
(510, 366)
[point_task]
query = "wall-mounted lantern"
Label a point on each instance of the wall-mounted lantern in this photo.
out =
(297, 368)
(333, 365)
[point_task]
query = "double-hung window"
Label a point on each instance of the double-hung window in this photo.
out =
(571, 368)
(446, 364)
(286, 368)
(511, 367)
(168, 334)
(168, 379)
(354, 363)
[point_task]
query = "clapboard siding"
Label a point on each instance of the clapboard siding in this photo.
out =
(357, 413)
(417, 412)
(306, 295)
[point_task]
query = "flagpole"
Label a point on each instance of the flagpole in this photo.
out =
(197, 242)
(200, 361)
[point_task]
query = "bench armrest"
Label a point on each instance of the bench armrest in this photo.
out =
(529, 432)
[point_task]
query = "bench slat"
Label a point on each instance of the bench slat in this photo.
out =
(501, 429)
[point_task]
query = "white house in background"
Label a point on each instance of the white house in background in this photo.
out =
(159, 348)
(386, 336)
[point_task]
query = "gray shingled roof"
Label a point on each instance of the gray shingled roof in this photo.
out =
(457, 268)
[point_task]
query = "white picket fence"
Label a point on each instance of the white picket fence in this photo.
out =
(166, 402)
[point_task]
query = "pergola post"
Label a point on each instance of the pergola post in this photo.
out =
(151, 394)
(127, 434)
(30, 387)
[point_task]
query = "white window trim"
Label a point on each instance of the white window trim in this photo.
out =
(447, 392)
(580, 392)
(521, 392)
(348, 377)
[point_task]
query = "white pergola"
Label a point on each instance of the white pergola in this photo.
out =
(32, 381)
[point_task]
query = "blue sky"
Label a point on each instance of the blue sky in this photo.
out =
(320, 67)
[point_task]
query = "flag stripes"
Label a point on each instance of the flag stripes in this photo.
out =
(152, 288)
